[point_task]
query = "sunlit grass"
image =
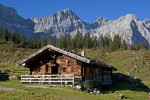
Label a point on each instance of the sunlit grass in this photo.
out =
(68, 93)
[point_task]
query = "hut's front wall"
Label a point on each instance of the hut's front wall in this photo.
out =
(60, 65)
(98, 73)
(93, 73)
(67, 65)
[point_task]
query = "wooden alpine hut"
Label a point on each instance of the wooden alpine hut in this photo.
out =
(54, 65)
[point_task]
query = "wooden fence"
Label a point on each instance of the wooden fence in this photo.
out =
(49, 79)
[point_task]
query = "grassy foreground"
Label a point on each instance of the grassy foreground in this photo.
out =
(37, 92)
(129, 62)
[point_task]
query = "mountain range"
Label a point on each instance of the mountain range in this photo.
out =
(65, 22)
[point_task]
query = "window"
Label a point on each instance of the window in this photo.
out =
(37, 70)
(46, 68)
(64, 70)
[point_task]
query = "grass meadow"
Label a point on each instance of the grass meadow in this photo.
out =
(45, 92)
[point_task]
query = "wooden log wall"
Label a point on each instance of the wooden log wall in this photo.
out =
(60, 65)
(68, 65)
(98, 73)
(63, 64)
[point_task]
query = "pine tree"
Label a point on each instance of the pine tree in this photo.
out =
(116, 43)
(43, 42)
(22, 41)
(6, 35)
(124, 45)
(73, 46)
(107, 43)
(50, 40)
(2, 36)
(38, 45)
(62, 42)
(78, 40)
(16, 37)
(69, 42)
(94, 42)
(101, 42)
(87, 41)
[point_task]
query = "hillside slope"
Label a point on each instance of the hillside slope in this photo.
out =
(9, 53)
(129, 62)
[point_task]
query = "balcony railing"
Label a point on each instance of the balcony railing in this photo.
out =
(49, 79)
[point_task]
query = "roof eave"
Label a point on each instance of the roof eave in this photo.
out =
(56, 49)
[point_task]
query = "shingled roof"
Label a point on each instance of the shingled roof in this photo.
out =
(75, 56)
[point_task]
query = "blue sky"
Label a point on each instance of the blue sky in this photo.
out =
(87, 10)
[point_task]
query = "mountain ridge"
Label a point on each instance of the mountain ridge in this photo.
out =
(65, 22)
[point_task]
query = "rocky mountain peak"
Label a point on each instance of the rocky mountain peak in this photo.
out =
(101, 19)
(6, 9)
(65, 22)
(99, 22)
(6, 12)
(62, 22)
(129, 17)
(66, 11)
(146, 23)
(66, 14)
(9, 19)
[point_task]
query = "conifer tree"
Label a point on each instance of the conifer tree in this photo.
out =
(116, 43)
(95, 42)
(101, 42)
(50, 40)
(79, 40)
(62, 42)
(87, 41)
(107, 43)
(124, 45)
(22, 42)
(69, 42)
(73, 46)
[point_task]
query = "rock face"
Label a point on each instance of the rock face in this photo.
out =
(61, 23)
(146, 23)
(128, 27)
(65, 22)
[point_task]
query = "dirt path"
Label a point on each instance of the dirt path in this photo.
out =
(9, 89)
(60, 88)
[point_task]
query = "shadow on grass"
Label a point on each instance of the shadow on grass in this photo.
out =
(4, 76)
(123, 82)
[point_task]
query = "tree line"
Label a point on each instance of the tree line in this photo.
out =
(79, 41)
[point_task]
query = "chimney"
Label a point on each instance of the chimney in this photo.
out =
(83, 53)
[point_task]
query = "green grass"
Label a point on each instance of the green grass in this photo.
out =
(11, 67)
(68, 93)
(9, 53)
(128, 62)
(132, 63)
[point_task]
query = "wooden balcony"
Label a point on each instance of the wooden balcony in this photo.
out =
(66, 79)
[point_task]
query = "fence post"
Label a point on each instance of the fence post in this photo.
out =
(30, 78)
(49, 79)
(73, 79)
(61, 78)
